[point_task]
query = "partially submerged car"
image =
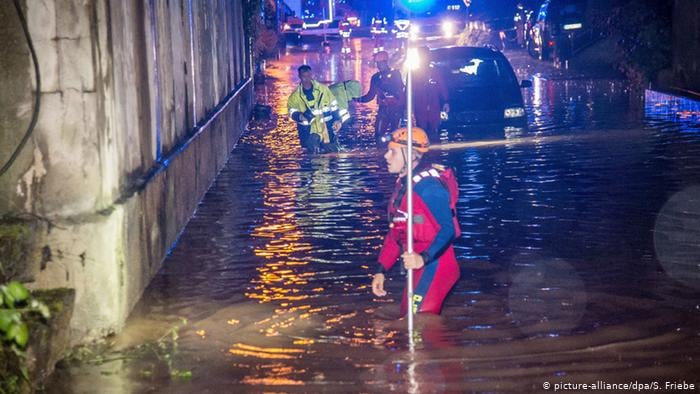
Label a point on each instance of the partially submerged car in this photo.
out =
(483, 88)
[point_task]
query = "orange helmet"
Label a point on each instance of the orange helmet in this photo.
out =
(381, 56)
(399, 138)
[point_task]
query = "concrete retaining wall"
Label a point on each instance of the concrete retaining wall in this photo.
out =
(142, 101)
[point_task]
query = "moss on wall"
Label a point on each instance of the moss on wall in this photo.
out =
(15, 239)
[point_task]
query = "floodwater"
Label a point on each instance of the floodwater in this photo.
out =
(579, 256)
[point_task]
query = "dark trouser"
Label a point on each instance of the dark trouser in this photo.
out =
(432, 283)
(304, 132)
(429, 122)
(312, 141)
(388, 118)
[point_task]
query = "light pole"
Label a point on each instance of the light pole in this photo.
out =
(412, 62)
(409, 192)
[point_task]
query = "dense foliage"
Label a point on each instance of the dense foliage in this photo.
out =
(15, 304)
(261, 26)
(644, 31)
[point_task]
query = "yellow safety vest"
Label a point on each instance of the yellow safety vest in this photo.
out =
(322, 107)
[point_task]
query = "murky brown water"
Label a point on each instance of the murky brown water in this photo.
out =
(563, 225)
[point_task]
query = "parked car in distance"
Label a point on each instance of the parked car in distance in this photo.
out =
(320, 29)
(442, 19)
(557, 23)
(483, 88)
(291, 29)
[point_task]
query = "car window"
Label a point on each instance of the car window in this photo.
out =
(569, 10)
(474, 71)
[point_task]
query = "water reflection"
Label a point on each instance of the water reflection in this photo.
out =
(562, 224)
(664, 107)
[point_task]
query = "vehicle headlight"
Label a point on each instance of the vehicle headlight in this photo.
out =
(414, 30)
(448, 28)
(515, 112)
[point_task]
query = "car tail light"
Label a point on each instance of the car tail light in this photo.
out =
(550, 43)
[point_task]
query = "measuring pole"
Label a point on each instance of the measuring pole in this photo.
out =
(409, 191)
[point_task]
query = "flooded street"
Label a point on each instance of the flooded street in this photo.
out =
(579, 257)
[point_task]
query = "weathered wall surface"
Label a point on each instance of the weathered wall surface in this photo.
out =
(686, 46)
(15, 98)
(142, 101)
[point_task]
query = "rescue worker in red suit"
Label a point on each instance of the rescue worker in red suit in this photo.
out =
(433, 258)
(430, 95)
(387, 86)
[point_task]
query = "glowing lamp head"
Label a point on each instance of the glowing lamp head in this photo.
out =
(448, 28)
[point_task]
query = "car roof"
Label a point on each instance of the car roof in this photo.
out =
(451, 51)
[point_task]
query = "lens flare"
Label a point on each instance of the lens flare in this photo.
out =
(676, 235)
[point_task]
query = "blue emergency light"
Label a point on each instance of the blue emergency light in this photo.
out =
(415, 5)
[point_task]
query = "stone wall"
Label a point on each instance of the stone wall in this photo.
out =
(141, 103)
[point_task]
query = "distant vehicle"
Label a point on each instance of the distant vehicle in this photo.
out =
(442, 19)
(344, 11)
(483, 88)
(293, 24)
(557, 23)
(354, 21)
(321, 29)
(292, 30)
(319, 17)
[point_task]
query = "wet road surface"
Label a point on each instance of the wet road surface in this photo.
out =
(579, 255)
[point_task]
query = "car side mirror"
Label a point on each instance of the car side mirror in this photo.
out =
(526, 83)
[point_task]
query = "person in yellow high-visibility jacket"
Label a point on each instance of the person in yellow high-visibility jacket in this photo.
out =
(315, 110)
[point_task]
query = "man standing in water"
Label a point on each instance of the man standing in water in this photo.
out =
(315, 110)
(434, 225)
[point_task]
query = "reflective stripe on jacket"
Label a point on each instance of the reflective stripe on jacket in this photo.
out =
(344, 92)
(434, 228)
(318, 112)
(433, 234)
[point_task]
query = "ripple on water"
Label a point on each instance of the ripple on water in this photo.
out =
(561, 227)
